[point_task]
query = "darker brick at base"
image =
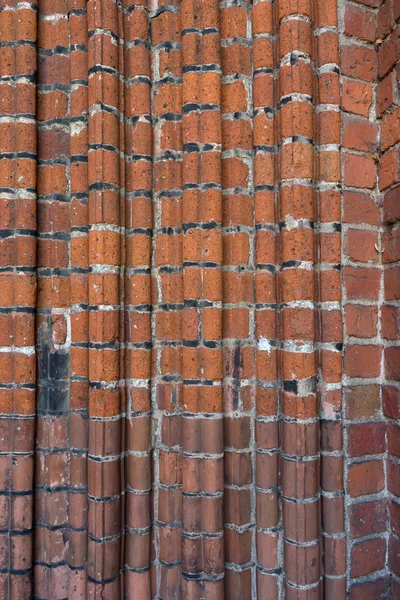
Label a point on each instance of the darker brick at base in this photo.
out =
(199, 300)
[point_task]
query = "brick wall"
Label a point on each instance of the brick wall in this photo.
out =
(371, 326)
(365, 434)
(199, 300)
(388, 112)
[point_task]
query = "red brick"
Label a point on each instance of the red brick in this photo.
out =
(359, 171)
(328, 126)
(362, 283)
(385, 93)
(391, 402)
(357, 97)
(360, 207)
(366, 438)
(365, 478)
(389, 168)
(360, 245)
(393, 481)
(367, 557)
(359, 134)
(362, 361)
(394, 555)
(362, 401)
(262, 18)
(373, 590)
(391, 245)
(390, 129)
(360, 23)
(388, 53)
(394, 440)
(385, 19)
(391, 204)
(367, 518)
(361, 321)
(391, 322)
(359, 62)
(392, 282)
(392, 363)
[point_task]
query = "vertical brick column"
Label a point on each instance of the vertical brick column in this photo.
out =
(137, 297)
(328, 211)
(388, 110)
(18, 28)
(79, 286)
(266, 179)
(79, 315)
(167, 296)
(238, 309)
(53, 303)
(298, 361)
(104, 181)
(362, 296)
(202, 426)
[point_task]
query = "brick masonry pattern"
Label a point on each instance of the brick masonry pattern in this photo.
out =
(199, 300)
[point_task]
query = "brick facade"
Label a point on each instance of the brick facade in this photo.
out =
(199, 300)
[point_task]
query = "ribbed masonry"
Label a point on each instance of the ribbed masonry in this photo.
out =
(199, 299)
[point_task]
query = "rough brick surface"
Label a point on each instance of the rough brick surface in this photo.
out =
(388, 101)
(199, 300)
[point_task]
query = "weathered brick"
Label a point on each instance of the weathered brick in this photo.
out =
(359, 62)
(359, 171)
(357, 97)
(198, 301)
(360, 22)
(389, 168)
(385, 93)
(360, 134)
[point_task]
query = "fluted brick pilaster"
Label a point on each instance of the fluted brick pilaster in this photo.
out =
(199, 300)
